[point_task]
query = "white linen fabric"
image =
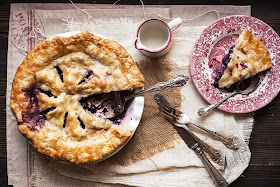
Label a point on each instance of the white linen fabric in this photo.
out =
(178, 166)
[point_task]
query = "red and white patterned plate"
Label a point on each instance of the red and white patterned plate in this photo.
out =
(218, 38)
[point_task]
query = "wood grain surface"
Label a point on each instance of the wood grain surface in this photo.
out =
(264, 168)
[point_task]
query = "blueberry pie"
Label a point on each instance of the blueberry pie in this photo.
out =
(61, 93)
(247, 58)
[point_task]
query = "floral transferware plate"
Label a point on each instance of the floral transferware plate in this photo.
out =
(214, 42)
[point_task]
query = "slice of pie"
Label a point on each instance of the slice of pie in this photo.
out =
(248, 58)
(59, 94)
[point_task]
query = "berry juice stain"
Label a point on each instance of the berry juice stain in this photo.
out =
(33, 117)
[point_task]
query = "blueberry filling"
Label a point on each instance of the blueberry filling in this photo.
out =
(92, 109)
(59, 72)
(65, 120)
(244, 84)
(48, 93)
(82, 123)
(105, 110)
(218, 73)
(102, 105)
(108, 73)
(36, 121)
(48, 110)
(244, 66)
(97, 104)
(33, 117)
(32, 92)
(117, 119)
(86, 77)
(84, 102)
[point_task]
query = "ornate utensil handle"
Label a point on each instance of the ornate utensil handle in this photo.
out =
(227, 141)
(213, 153)
(209, 108)
(178, 81)
(218, 179)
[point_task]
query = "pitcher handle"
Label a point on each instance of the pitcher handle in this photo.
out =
(175, 23)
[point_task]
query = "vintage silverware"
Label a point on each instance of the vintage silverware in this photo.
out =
(163, 105)
(218, 179)
(254, 84)
(182, 118)
(214, 154)
(178, 81)
(192, 143)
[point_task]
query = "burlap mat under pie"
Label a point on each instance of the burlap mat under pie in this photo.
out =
(153, 134)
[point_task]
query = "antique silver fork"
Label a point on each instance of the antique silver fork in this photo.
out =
(213, 153)
(179, 117)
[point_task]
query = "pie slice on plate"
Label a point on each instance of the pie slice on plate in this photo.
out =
(56, 90)
(247, 58)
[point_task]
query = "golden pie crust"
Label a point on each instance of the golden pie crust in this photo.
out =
(68, 69)
(249, 58)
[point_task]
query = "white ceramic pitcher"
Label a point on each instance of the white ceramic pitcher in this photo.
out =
(154, 36)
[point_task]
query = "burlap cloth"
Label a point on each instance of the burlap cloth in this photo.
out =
(155, 156)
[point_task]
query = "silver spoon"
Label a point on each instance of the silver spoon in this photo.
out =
(254, 84)
(178, 81)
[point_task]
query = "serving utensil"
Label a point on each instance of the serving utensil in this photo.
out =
(253, 86)
(178, 81)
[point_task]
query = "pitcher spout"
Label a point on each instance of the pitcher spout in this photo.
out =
(138, 44)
